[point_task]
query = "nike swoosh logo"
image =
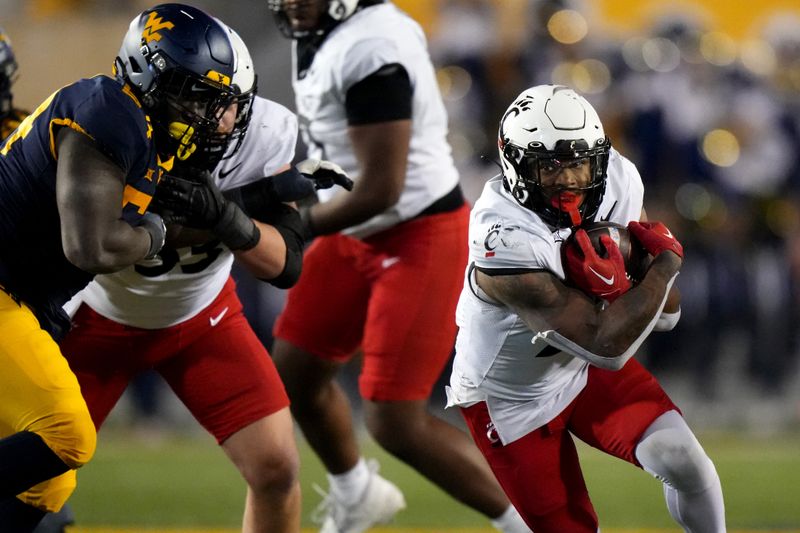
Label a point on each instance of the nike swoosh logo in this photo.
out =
(668, 234)
(389, 261)
(214, 320)
(607, 281)
(224, 173)
(605, 218)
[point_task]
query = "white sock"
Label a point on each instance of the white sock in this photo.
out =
(349, 487)
(510, 522)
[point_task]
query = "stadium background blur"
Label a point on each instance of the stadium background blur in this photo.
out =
(703, 96)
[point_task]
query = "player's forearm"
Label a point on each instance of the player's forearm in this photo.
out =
(346, 210)
(119, 245)
(381, 150)
(630, 316)
(267, 259)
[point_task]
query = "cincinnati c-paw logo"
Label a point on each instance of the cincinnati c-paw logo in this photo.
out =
(491, 240)
(153, 25)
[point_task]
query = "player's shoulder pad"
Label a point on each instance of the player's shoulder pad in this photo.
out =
(273, 122)
(622, 171)
(269, 144)
(624, 190)
(502, 242)
(111, 115)
(369, 40)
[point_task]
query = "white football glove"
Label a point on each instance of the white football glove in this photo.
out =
(324, 174)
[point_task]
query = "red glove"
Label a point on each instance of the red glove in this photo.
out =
(655, 237)
(604, 277)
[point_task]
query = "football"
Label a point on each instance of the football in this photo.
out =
(636, 258)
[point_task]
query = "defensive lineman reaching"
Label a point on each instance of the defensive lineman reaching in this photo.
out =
(383, 275)
(538, 361)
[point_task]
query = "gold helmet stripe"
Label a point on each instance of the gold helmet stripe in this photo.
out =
(218, 77)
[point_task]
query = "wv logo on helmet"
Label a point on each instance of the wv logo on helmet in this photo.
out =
(153, 25)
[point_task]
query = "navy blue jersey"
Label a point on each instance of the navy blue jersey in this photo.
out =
(33, 267)
(10, 121)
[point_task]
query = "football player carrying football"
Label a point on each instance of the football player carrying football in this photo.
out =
(383, 276)
(537, 360)
(77, 177)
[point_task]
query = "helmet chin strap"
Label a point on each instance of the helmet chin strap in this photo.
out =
(570, 203)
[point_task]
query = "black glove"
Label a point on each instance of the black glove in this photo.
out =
(195, 201)
(303, 180)
(324, 174)
(154, 225)
(260, 198)
(288, 186)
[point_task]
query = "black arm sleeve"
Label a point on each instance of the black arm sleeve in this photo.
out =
(384, 95)
(257, 199)
(287, 221)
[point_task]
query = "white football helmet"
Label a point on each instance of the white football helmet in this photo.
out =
(552, 124)
(244, 73)
(245, 84)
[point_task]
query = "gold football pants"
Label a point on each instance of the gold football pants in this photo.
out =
(39, 393)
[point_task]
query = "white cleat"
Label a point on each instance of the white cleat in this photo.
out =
(378, 505)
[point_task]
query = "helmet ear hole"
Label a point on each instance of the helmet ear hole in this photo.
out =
(134, 66)
(511, 152)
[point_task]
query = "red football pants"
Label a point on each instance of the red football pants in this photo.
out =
(216, 366)
(541, 473)
(393, 295)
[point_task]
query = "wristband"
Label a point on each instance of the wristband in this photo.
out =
(154, 225)
(236, 230)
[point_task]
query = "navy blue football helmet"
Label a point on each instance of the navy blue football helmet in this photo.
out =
(180, 62)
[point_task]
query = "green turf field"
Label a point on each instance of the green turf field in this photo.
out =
(188, 483)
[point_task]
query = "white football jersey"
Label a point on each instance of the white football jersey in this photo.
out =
(525, 383)
(359, 46)
(178, 284)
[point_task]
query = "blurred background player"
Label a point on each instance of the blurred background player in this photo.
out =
(10, 117)
(537, 359)
(179, 313)
(382, 276)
